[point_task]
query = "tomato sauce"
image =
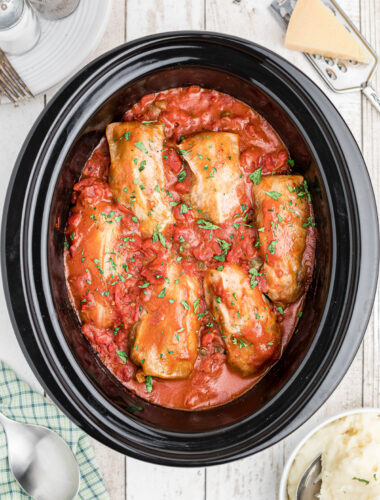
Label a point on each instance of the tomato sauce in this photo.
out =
(184, 111)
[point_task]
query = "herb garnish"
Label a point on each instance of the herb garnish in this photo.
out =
(158, 236)
(122, 355)
(196, 304)
(134, 408)
(310, 222)
(140, 145)
(145, 285)
(255, 273)
(184, 209)
(365, 481)
(206, 224)
(273, 194)
(272, 247)
(148, 383)
(126, 136)
(256, 176)
(182, 175)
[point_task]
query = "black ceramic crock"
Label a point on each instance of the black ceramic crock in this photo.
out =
(339, 301)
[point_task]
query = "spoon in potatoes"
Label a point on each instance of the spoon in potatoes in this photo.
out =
(309, 486)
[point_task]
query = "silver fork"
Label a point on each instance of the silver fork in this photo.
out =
(11, 83)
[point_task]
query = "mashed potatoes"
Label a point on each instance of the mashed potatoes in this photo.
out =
(350, 449)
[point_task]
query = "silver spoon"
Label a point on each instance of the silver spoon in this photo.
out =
(309, 486)
(41, 461)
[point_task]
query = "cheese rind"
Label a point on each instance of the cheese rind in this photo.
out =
(313, 28)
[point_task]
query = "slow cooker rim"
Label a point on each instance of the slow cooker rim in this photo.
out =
(18, 163)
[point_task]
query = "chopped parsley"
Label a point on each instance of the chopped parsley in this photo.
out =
(206, 224)
(145, 285)
(140, 145)
(184, 209)
(272, 247)
(182, 176)
(122, 355)
(273, 194)
(196, 304)
(134, 408)
(126, 136)
(303, 190)
(158, 236)
(310, 222)
(365, 481)
(256, 176)
(148, 383)
(255, 273)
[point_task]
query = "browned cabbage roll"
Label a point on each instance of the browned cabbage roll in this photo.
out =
(247, 323)
(96, 261)
(167, 334)
(136, 175)
(282, 216)
(217, 185)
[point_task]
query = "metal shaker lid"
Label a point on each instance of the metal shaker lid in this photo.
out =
(10, 12)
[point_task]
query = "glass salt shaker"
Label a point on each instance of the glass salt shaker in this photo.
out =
(19, 26)
(55, 9)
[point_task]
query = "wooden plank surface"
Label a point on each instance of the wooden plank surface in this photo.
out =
(370, 25)
(257, 477)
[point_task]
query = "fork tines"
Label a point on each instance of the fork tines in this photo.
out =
(11, 83)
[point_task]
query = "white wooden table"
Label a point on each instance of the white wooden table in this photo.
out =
(257, 477)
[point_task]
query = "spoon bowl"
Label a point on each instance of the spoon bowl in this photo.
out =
(309, 486)
(41, 461)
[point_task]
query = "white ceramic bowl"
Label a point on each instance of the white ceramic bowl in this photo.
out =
(283, 495)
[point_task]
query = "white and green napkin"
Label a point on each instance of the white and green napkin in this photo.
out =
(20, 402)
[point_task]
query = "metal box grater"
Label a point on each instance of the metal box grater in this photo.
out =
(340, 75)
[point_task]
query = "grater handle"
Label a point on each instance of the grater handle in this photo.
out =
(372, 95)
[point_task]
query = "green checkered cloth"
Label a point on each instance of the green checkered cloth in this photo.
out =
(20, 402)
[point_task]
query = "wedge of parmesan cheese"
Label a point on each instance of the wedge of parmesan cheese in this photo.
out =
(313, 28)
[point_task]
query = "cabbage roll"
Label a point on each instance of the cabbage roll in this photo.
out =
(96, 259)
(282, 212)
(217, 186)
(137, 176)
(166, 337)
(245, 319)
